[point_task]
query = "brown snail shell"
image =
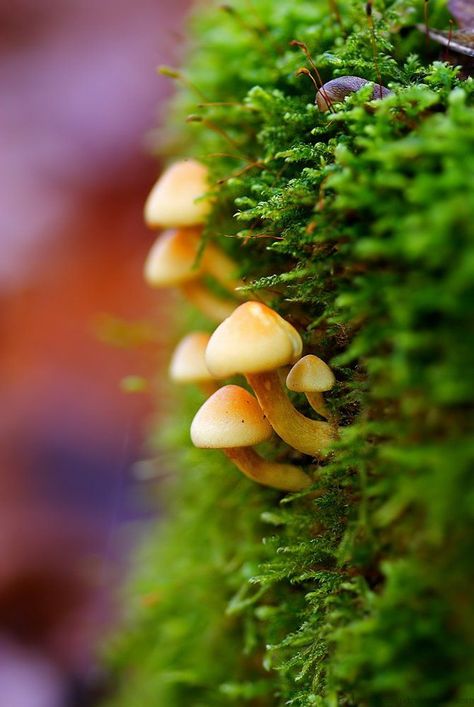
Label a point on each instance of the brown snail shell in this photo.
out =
(336, 90)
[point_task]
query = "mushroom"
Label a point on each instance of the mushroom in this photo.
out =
(232, 420)
(173, 261)
(188, 365)
(172, 201)
(256, 341)
(310, 375)
(336, 90)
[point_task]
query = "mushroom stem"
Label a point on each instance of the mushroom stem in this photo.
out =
(221, 267)
(213, 307)
(285, 477)
(208, 388)
(308, 436)
(316, 400)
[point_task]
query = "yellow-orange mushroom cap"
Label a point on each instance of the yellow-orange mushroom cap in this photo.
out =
(230, 418)
(188, 364)
(254, 338)
(310, 375)
(171, 260)
(172, 201)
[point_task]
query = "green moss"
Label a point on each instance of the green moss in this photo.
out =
(357, 225)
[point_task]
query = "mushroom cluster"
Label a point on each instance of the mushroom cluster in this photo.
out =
(251, 340)
(178, 204)
(256, 342)
(232, 420)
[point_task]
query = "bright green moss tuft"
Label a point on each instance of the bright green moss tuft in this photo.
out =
(359, 224)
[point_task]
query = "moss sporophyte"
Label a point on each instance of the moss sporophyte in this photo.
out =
(348, 232)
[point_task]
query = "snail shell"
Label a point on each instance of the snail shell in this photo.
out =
(336, 90)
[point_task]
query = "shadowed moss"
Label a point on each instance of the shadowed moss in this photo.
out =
(356, 226)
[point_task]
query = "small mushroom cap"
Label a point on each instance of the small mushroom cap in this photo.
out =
(253, 339)
(172, 201)
(187, 363)
(310, 375)
(231, 417)
(171, 260)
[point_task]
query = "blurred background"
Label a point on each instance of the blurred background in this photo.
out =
(79, 93)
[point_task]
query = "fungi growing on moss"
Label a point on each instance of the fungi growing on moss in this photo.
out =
(232, 420)
(175, 200)
(173, 261)
(312, 376)
(256, 342)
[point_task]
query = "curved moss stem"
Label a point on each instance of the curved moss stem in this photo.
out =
(285, 477)
(308, 436)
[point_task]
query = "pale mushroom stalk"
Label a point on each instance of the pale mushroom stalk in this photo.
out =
(209, 304)
(285, 477)
(221, 267)
(233, 421)
(208, 388)
(316, 400)
(308, 436)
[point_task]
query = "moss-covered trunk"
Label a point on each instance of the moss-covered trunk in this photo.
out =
(356, 225)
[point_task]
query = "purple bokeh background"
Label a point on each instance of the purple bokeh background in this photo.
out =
(79, 93)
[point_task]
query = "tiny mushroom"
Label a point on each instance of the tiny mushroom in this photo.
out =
(232, 420)
(174, 261)
(312, 376)
(256, 341)
(336, 90)
(171, 260)
(172, 201)
(188, 364)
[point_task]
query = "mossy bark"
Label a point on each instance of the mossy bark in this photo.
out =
(357, 226)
